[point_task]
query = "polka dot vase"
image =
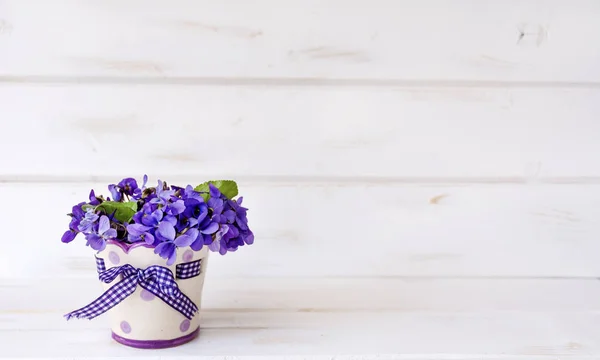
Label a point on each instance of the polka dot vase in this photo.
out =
(143, 320)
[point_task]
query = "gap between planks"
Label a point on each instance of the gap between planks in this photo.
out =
(12, 278)
(312, 180)
(289, 82)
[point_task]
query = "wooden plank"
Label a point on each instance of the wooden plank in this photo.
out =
(321, 295)
(477, 134)
(313, 230)
(433, 40)
(535, 335)
(483, 319)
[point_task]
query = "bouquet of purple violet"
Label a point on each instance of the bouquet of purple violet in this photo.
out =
(164, 217)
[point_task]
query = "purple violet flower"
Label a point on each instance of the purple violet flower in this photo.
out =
(216, 205)
(247, 236)
(93, 199)
(215, 245)
(175, 208)
(181, 223)
(222, 212)
(226, 241)
(149, 215)
(115, 192)
(68, 236)
(166, 198)
(240, 213)
(128, 186)
(139, 232)
(170, 219)
(214, 191)
(137, 193)
(85, 225)
(97, 241)
(77, 211)
(206, 227)
(195, 210)
(190, 193)
(167, 248)
(77, 214)
(230, 237)
(233, 242)
(162, 195)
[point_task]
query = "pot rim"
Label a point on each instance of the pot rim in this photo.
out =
(128, 247)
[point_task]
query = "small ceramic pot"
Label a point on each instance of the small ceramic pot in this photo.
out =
(143, 320)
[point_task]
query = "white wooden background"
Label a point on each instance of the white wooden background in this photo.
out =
(423, 176)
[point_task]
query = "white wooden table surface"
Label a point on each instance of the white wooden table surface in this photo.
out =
(422, 176)
(332, 317)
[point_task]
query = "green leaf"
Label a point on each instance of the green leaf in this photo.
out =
(228, 188)
(203, 190)
(124, 210)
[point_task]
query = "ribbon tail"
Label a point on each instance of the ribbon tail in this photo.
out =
(106, 301)
(183, 304)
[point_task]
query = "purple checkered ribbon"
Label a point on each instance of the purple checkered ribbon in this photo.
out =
(188, 270)
(156, 279)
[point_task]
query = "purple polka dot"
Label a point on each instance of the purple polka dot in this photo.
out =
(125, 327)
(147, 295)
(185, 325)
(188, 255)
(114, 258)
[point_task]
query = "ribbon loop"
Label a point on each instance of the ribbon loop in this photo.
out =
(156, 279)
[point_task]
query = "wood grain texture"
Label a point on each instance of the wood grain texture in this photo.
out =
(480, 319)
(433, 40)
(392, 134)
(422, 175)
(507, 336)
(322, 295)
(355, 230)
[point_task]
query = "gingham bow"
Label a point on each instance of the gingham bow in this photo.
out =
(156, 279)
